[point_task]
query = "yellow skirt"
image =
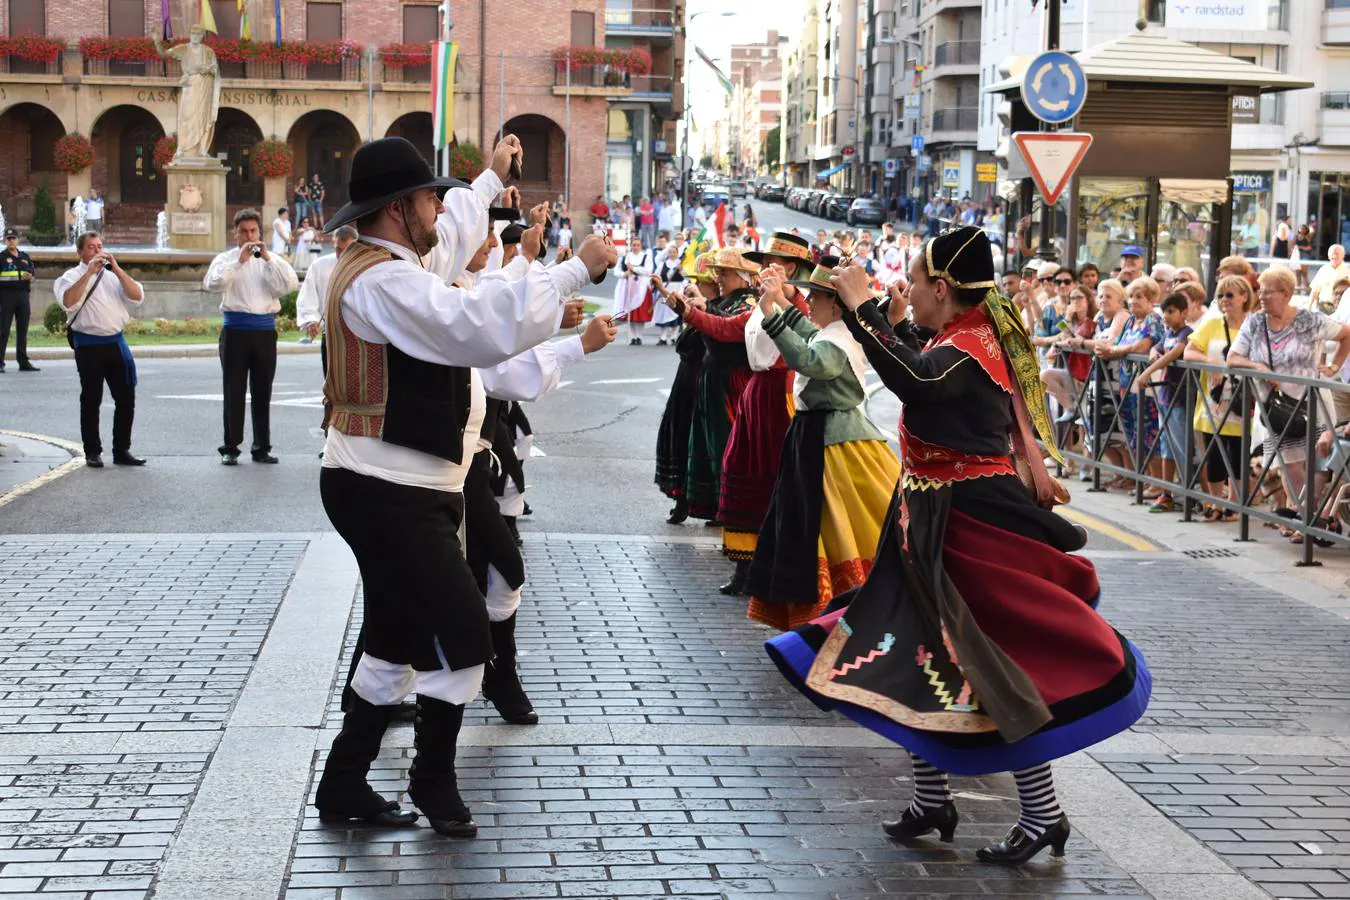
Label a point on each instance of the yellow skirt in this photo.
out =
(860, 480)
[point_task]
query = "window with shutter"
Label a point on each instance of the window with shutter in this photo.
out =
(126, 18)
(323, 22)
(583, 29)
(27, 17)
(420, 24)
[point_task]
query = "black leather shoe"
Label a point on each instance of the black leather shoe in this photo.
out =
(93, 460)
(454, 827)
(265, 458)
(942, 819)
(229, 459)
(1018, 848)
(679, 513)
(392, 816)
(736, 586)
(126, 459)
(28, 367)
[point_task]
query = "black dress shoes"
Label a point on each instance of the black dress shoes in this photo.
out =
(942, 819)
(93, 460)
(229, 459)
(265, 458)
(28, 367)
(1018, 847)
(390, 816)
(124, 458)
(736, 586)
(679, 513)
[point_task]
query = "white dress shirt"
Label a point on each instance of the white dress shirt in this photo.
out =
(759, 347)
(400, 303)
(253, 287)
(107, 313)
(462, 228)
(309, 303)
(281, 235)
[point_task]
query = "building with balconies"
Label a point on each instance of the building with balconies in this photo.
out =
(640, 137)
(949, 35)
(345, 71)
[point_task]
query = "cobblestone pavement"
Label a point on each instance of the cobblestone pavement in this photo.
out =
(164, 709)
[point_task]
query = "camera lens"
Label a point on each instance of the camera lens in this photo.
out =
(257, 254)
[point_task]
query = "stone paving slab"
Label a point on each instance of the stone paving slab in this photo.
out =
(1282, 821)
(141, 644)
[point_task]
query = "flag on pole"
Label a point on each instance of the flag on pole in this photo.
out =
(206, 17)
(281, 22)
(443, 93)
(721, 78)
(166, 19)
(245, 32)
(720, 217)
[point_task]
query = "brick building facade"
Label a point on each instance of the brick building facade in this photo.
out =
(507, 79)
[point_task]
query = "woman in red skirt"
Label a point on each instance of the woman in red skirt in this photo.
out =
(975, 641)
(760, 419)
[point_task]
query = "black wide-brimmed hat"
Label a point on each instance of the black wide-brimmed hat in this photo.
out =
(963, 255)
(511, 234)
(382, 171)
(503, 214)
(785, 245)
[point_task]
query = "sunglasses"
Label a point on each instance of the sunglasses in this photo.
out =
(1047, 280)
(1063, 281)
(1228, 296)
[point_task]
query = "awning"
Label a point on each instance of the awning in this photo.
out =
(826, 173)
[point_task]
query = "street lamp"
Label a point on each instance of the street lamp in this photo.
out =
(686, 164)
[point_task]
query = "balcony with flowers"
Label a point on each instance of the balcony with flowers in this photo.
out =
(122, 57)
(602, 71)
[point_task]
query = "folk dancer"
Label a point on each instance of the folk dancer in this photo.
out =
(309, 302)
(96, 313)
(975, 641)
(669, 271)
(405, 408)
(677, 421)
(837, 473)
(253, 281)
(725, 373)
(633, 293)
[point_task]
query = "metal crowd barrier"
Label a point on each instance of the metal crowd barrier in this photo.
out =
(1101, 422)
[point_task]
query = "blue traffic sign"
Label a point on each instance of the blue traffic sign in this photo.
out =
(916, 143)
(1054, 87)
(925, 162)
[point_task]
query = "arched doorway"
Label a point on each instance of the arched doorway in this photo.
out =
(28, 136)
(236, 135)
(544, 144)
(125, 137)
(323, 142)
(416, 127)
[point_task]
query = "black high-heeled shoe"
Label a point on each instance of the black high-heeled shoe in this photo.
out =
(942, 819)
(679, 513)
(1018, 848)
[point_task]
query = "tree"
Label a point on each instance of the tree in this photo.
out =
(706, 162)
(769, 150)
(44, 212)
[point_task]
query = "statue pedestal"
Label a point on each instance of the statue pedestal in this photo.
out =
(196, 207)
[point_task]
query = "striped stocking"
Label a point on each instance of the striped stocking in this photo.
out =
(1040, 806)
(931, 788)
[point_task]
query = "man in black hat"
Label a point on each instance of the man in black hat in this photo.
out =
(16, 279)
(404, 409)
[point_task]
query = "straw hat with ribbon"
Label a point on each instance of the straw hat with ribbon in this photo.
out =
(819, 279)
(783, 245)
(731, 258)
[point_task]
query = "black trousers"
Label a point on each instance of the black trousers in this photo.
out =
(248, 361)
(97, 364)
(14, 309)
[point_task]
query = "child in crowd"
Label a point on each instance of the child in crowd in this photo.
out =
(1172, 421)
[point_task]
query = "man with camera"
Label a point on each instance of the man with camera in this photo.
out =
(253, 282)
(96, 312)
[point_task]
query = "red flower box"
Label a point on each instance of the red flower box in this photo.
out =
(400, 55)
(73, 153)
(32, 47)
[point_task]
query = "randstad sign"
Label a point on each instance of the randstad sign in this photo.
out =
(1242, 15)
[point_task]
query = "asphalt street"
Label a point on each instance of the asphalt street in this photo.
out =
(595, 441)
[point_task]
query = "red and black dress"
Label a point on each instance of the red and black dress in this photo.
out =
(726, 372)
(672, 437)
(975, 642)
(759, 423)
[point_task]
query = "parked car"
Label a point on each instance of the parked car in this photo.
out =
(738, 189)
(866, 211)
(774, 193)
(793, 198)
(816, 201)
(837, 206)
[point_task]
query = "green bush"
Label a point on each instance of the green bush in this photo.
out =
(54, 319)
(288, 305)
(44, 211)
(285, 323)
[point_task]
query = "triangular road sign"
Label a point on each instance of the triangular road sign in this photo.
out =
(1052, 157)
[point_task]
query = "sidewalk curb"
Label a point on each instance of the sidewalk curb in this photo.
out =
(161, 351)
(76, 461)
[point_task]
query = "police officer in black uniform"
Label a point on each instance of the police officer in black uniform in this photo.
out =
(16, 279)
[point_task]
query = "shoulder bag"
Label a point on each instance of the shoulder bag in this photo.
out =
(70, 326)
(1286, 415)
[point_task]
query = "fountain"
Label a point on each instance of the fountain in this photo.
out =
(161, 230)
(2, 220)
(81, 216)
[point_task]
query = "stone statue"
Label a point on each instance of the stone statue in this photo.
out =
(198, 96)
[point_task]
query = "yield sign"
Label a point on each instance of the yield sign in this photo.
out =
(1052, 157)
